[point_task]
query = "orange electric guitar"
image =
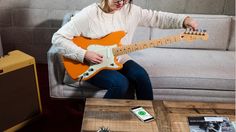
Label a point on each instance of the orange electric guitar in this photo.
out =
(110, 47)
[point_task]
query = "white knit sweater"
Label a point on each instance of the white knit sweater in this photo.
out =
(92, 22)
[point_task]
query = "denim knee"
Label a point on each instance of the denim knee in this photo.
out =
(141, 74)
(121, 85)
(118, 88)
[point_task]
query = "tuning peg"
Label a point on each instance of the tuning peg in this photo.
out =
(203, 32)
(192, 32)
(195, 32)
(186, 31)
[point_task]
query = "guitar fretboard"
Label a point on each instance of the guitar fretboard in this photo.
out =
(145, 44)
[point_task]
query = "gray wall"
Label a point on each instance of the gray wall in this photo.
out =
(28, 25)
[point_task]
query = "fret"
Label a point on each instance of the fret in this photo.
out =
(162, 41)
(167, 41)
(157, 43)
(171, 39)
(178, 38)
(132, 48)
(175, 39)
(152, 44)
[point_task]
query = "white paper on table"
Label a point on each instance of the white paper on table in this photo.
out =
(218, 119)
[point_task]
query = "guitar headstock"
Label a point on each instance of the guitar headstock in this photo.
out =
(190, 35)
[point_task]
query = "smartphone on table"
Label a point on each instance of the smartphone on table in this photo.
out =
(142, 114)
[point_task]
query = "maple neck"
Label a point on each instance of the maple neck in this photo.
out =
(145, 44)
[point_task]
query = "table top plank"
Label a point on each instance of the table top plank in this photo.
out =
(201, 105)
(117, 102)
(115, 108)
(179, 127)
(162, 119)
(121, 126)
(116, 115)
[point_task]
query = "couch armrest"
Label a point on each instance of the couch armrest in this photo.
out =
(56, 70)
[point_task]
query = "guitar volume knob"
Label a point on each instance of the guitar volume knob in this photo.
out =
(86, 74)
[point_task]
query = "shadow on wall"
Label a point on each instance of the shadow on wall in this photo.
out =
(34, 41)
(25, 30)
(28, 25)
(42, 39)
(10, 19)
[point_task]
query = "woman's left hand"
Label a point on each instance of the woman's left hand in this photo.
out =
(190, 23)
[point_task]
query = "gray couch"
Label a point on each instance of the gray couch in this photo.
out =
(196, 71)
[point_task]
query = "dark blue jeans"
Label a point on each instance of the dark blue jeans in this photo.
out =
(124, 83)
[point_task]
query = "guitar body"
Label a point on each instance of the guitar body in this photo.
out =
(103, 46)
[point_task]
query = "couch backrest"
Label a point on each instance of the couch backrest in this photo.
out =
(67, 17)
(141, 34)
(232, 35)
(217, 26)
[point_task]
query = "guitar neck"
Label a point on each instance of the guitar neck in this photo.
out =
(144, 45)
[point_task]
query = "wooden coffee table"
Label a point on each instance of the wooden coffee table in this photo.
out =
(115, 115)
(171, 116)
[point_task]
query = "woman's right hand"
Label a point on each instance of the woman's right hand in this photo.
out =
(93, 57)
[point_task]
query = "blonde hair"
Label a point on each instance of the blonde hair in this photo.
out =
(106, 8)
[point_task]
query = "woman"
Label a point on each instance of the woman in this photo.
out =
(100, 19)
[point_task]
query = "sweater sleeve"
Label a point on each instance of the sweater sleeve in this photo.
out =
(62, 38)
(160, 19)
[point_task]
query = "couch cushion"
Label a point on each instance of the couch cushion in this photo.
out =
(141, 33)
(194, 95)
(80, 91)
(217, 27)
(188, 69)
(232, 35)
